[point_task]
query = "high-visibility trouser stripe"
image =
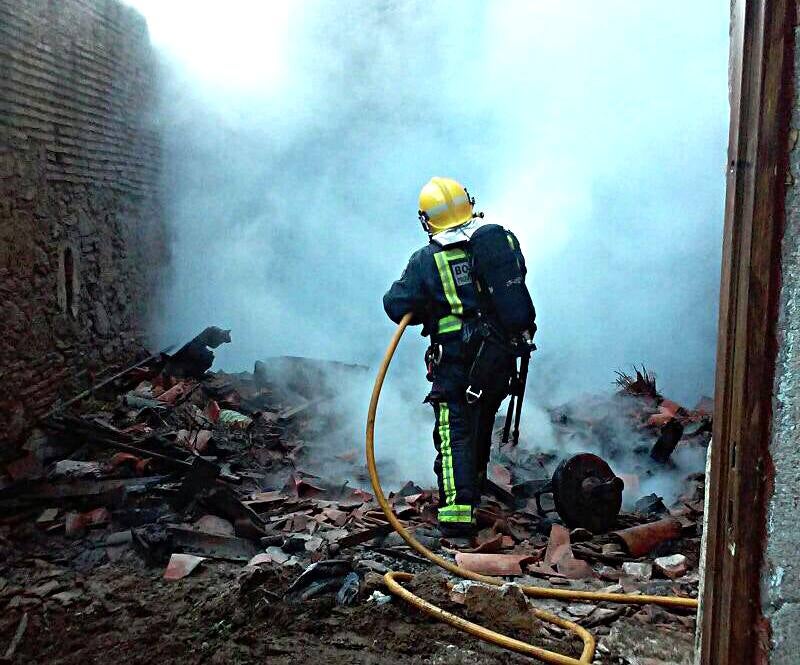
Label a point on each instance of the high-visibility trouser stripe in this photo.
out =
(446, 450)
(448, 324)
(443, 264)
(456, 513)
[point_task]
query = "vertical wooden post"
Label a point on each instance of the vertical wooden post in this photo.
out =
(761, 74)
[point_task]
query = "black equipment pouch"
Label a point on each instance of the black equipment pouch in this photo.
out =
(492, 368)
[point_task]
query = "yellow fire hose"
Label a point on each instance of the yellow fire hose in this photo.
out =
(393, 578)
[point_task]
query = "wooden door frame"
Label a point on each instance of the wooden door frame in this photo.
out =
(733, 629)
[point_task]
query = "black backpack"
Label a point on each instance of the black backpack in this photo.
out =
(499, 278)
(508, 321)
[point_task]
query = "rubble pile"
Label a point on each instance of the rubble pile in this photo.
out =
(638, 419)
(180, 475)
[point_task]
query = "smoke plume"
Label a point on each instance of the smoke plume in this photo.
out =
(299, 134)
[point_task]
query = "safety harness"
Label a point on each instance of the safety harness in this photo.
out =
(487, 255)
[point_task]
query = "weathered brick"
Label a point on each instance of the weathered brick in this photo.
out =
(79, 182)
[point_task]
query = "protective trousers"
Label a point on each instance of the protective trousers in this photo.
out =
(462, 436)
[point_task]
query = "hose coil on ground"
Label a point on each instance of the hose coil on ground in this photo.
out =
(393, 579)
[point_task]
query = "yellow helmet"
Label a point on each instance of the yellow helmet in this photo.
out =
(443, 204)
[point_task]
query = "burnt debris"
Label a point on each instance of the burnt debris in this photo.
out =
(193, 474)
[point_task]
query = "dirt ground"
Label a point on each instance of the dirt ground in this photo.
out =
(125, 613)
(122, 611)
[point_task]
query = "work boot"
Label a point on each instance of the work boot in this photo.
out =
(457, 534)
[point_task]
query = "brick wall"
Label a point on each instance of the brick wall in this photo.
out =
(82, 243)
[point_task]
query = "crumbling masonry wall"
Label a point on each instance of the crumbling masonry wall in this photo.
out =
(81, 235)
(781, 575)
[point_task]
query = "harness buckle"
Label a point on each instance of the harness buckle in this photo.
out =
(473, 396)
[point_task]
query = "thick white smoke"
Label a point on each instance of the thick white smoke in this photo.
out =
(299, 134)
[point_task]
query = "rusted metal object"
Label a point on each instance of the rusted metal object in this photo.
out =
(587, 493)
(639, 540)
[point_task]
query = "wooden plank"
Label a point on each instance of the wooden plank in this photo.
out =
(761, 89)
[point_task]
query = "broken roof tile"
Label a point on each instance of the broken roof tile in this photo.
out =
(181, 565)
(493, 564)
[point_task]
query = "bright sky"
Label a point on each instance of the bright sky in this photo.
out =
(236, 44)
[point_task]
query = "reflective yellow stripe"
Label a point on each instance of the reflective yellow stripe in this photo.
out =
(452, 322)
(443, 264)
(448, 324)
(448, 481)
(456, 513)
(453, 254)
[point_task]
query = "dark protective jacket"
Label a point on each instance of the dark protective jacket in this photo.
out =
(438, 288)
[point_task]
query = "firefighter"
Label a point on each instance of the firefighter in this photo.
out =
(439, 288)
